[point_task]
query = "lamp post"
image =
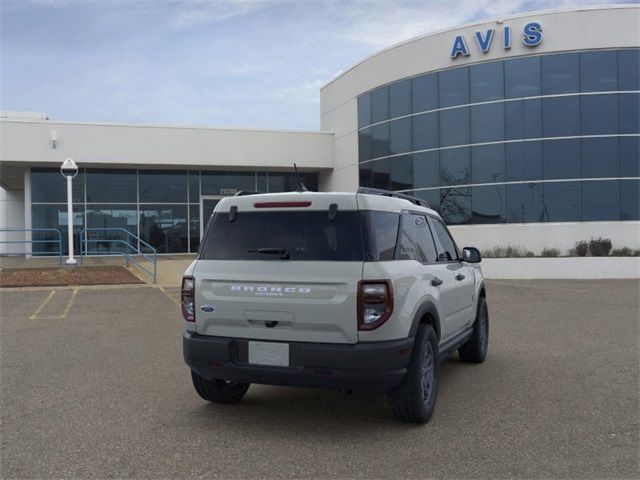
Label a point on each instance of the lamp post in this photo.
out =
(69, 169)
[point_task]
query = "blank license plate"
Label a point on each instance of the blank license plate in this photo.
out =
(269, 353)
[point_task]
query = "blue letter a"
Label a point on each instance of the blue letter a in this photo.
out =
(485, 43)
(459, 47)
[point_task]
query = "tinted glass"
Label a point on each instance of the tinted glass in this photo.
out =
(365, 175)
(600, 200)
(630, 156)
(163, 186)
(426, 169)
(400, 99)
(380, 140)
(523, 119)
(424, 91)
(562, 202)
(487, 123)
(380, 104)
(194, 227)
(522, 77)
(524, 203)
(455, 168)
(560, 73)
(48, 185)
(415, 241)
(304, 235)
(454, 87)
(488, 204)
(381, 173)
(425, 131)
(488, 164)
(111, 186)
(561, 116)
(194, 186)
(487, 82)
(446, 244)
(364, 110)
(54, 216)
(599, 71)
(454, 127)
(365, 145)
(165, 227)
(227, 183)
(116, 218)
(455, 205)
(380, 230)
(599, 114)
(561, 159)
(523, 161)
(288, 182)
(402, 172)
(432, 197)
(400, 135)
(629, 70)
(600, 157)
(629, 112)
(629, 200)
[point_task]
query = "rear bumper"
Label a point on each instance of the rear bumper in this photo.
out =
(366, 367)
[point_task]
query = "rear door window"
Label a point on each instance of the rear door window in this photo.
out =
(415, 241)
(446, 246)
(380, 232)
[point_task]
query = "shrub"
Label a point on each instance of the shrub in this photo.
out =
(507, 252)
(636, 253)
(582, 247)
(600, 247)
(529, 253)
(550, 252)
(622, 252)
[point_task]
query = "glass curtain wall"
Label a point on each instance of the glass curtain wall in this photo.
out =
(543, 138)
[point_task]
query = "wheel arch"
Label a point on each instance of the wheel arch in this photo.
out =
(427, 313)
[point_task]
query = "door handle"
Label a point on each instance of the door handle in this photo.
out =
(436, 282)
(459, 277)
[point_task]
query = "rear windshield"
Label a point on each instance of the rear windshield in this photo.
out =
(302, 235)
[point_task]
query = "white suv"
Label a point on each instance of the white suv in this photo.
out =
(358, 291)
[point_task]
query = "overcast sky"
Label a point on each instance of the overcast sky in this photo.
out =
(248, 63)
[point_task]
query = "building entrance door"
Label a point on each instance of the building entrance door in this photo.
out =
(207, 204)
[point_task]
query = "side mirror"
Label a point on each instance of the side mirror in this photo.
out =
(471, 255)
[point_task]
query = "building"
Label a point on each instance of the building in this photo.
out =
(521, 131)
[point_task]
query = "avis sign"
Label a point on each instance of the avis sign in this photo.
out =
(531, 37)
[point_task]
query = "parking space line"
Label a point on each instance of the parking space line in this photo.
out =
(42, 305)
(170, 296)
(69, 304)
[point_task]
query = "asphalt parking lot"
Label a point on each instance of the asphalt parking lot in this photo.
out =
(94, 386)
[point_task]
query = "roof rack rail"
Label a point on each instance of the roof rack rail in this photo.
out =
(243, 193)
(389, 193)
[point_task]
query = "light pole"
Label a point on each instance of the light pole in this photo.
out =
(69, 169)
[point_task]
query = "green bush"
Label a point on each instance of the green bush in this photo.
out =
(600, 247)
(622, 252)
(582, 248)
(550, 252)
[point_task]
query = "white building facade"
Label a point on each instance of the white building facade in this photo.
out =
(521, 131)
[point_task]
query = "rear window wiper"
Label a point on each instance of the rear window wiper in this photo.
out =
(283, 252)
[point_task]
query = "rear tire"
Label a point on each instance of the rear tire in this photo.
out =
(219, 391)
(415, 398)
(475, 349)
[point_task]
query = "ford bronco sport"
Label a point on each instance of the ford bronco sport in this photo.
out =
(358, 291)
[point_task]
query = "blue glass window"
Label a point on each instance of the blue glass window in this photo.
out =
(194, 186)
(523, 119)
(561, 116)
(561, 159)
(630, 200)
(455, 205)
(599, 71)
(601, 200)
(365, 145)
(380, 140)
(227, 183)
(54, 216)
(487, 123)
(364, 110)
(455, 168)
(432, 197)
(159, 186)
(524, 161)
(402, 173)
(522, 77)
(424, 90)
(600, 157)
(629, 112)
(365, 172)
(629, 70)
(488, 164)
(380, 105)
(165, 227)
(111, 216)
(454, 127)
(426, 169)
(381, 174)
(112, 186)
(599, 114)
(562, 202)
(454, 87)
(630, 156)
(560, 73)
(487, 82)
(400, 135)
(194, 227)
(400, 99)
(48, 185)
(524, 202)
(425, 131)
(488, 204)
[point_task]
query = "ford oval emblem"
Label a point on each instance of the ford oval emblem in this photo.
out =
(207, 308)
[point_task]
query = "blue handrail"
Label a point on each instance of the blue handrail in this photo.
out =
(57, 240)
(129, 249)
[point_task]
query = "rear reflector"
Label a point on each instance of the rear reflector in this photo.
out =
(281, 204)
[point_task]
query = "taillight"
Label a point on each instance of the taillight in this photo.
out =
(188, 299)
(375, 303)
